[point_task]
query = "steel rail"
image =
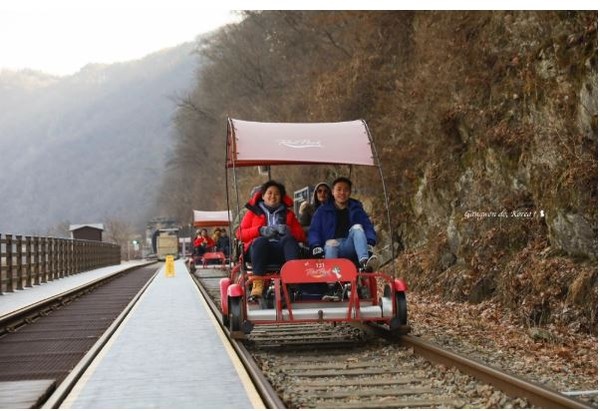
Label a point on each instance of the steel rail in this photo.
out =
(537, 394)
(18, 318)
(64, 389)
(265, 390)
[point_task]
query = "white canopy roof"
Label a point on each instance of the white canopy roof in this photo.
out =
(251, 143)
(211, 218)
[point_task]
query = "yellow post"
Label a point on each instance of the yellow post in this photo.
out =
(170, 266)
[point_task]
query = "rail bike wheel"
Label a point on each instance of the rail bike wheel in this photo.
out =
(401, 316)
(225, 320)
(235, 314)
(400, 319)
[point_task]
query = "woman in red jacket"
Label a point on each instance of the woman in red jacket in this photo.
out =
(202, 242)
(270, 231)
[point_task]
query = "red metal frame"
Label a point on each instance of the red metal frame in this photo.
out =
(314, 271)
(212, 255)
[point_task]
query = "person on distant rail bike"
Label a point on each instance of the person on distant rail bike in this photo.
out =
(342, 228)
(223, 242)
(203, 242)
(269, 231)
(216, 234)
(321, 195)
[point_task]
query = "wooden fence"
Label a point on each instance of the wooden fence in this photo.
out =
(26, 261)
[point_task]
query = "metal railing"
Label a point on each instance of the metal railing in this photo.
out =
(26, 260)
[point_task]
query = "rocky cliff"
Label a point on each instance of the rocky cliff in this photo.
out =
(503, 204)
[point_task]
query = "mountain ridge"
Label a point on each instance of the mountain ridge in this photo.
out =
(88, 146)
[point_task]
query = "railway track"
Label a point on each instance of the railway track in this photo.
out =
(343, 366)
(44, 342)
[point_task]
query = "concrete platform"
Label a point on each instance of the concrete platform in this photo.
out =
(169, 352)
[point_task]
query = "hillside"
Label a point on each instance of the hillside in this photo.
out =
(90, 146)
(486, 123)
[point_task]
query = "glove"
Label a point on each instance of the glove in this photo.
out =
(317, 252)
(267, 231)
(282, 229)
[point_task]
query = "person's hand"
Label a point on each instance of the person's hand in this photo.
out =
(282, 229)
(317, 252)
(267, 231)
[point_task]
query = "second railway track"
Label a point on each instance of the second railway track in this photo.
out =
(46, 341)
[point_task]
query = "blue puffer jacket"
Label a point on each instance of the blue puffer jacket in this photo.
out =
(322, 226)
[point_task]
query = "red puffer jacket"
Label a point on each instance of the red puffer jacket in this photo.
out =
(255, 218)
(207, 241)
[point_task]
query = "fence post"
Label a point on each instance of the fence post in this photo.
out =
(76, 256)
(49, 259)
(52, 259)
(10, 284)
(19, 249)
(37, 272)
(61, 257)
(81, 256)
(42, 260)
(67, 254)
(95, 253)
(71, 259)
(86, 256)
(28, 268)
(58, 256)
(1, 267)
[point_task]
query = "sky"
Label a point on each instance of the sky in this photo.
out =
(61, 36)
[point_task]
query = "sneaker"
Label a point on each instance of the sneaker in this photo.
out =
(371, 264)
(332, 293)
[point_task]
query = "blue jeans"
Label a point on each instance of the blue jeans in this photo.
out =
(353, 247)
(264, 252)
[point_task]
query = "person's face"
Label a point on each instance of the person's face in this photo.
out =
(341, 193)
(322, 194)
(272, 196)
(203, 233)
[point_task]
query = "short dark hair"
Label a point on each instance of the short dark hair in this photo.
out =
(272, 183)
(342, 180)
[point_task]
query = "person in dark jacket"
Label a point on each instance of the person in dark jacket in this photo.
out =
(321, 195)
(269, 231)
(342, 228)
(223, 242)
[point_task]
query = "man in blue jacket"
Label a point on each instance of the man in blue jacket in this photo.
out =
(342, 228)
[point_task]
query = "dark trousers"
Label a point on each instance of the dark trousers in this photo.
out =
(264, 252)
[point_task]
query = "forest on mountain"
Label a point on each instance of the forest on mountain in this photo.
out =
(485, 122)
(89, 147)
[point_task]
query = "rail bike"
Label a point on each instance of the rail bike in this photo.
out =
(209, 219)
(367, 297)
